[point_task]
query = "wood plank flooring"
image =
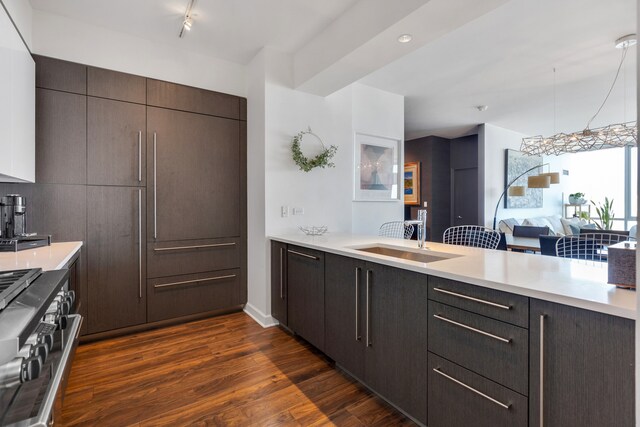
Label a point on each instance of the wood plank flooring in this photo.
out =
(223, 371)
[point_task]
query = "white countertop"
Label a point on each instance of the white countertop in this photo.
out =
(571, 282)
(52, 257)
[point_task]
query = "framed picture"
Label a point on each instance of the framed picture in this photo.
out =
(515, 164)
(412, 183)
(376, 169)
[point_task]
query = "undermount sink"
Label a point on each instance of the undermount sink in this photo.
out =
(408, 254)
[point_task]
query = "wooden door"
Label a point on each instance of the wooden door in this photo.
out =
(396, 342)
(345, 312)
(116, 273)
(581, 367)
(193, 174)
(116, 142)
(465, 196)
(305, 293)
(279, 282)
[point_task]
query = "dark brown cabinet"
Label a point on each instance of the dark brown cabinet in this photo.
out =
(61, 137)
(116, 259)
(193, 176)
(116, 143)
(115, 85)
(376, 328)
(279, 282)
(60, 75)
(581, 367)
(305, 293)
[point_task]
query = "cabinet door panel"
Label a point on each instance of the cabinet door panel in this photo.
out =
(396, 357)
(116, 262)
(344, 312)
(305, 287)
(61, 75)
(588, 367)
(279, 282)
(116, 138)
(115, 85)
(196, 163)
(61, 137)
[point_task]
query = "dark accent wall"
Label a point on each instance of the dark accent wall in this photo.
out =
(433, 154)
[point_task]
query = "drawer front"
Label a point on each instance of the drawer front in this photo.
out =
(192, 256)
(459, 397)
(493, 349)
(488, 302)
(176, 296)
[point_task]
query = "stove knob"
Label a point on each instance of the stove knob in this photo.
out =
(47, 339)
(42, 351)
(72, 296)
(61, 321)
(64, 307)
(31, 368)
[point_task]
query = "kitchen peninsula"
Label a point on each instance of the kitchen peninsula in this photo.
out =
(472, 336)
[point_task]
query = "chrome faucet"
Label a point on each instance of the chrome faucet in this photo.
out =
(422, 228)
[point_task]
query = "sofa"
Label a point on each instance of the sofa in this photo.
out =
(557, 226)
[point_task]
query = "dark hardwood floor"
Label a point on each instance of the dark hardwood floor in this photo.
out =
(223, 371)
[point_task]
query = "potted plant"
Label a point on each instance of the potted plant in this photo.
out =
(605, 213)
(577, 198)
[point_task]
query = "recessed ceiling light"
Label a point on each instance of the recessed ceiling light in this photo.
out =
(405, 38)
(626, 41)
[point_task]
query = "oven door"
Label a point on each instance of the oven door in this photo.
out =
(39, 402)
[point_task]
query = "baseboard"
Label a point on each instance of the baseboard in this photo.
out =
(261, 318)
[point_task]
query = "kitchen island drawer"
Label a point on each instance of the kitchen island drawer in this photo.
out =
(177, 296)
(488, 302)
(192, 256)
(493, 349)
(459, 397)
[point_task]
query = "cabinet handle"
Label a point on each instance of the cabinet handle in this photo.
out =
(185, 282)
(542, 316)
(481, 301)
(468, 387)
(281, 273)
(368, 309)
(139, 243)
(358, 336)
(79, 328)
(155, 187)
(139, 156)
(462, 325)
(304, 255)
(178, 248)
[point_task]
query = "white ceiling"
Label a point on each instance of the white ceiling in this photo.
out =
(234, 30)
(505, 60)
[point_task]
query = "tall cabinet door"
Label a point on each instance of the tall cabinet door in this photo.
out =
(116, 142)
(396, 337)
(279, 282)
(193, 176)
(581, 367)
(344, 312)
(115, 223)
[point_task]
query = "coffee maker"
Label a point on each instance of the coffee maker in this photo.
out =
(13, 216)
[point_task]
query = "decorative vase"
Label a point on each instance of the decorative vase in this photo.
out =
(576, 200)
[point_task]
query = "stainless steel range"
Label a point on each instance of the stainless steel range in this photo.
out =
(38, 337)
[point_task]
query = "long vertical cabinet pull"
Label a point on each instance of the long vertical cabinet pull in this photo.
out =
(542, 316)
(368, 308)
(281, 273)
(155, 186)
(140, 243)
(358, 336)
(139, 156)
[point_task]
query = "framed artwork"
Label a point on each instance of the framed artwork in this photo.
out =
(376, 174)
(515, 164)
(412, 183)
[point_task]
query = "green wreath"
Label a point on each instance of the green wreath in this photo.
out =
(322, 160)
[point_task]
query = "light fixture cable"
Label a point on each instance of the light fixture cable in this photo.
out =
(615, 79)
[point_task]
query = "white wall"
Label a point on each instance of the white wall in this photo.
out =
(76, 41)
(21, 13)
(496, 140)
(380, 113)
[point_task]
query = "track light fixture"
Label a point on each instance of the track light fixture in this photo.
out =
(187, 22)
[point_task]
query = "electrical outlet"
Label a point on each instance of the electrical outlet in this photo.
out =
(298, 211)
(284, 211)
(425, 204)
